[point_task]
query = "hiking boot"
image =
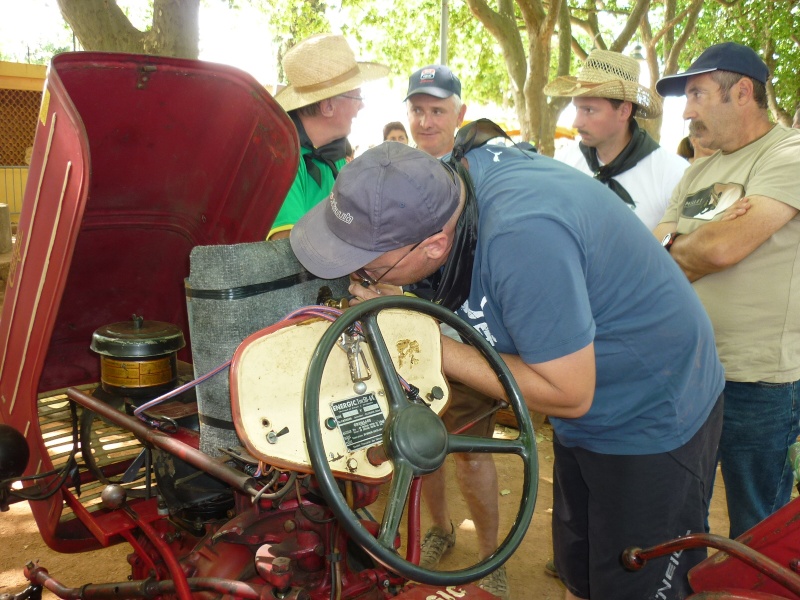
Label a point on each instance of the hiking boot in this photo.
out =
(496, 583)
(550, 568)
(436, 543)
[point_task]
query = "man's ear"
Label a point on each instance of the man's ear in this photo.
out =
(326, 107)
(744, 89)
(461, 114)
(436, 246)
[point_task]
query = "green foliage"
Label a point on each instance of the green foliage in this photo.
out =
(402, 35)
(41, 55)
(293, 21)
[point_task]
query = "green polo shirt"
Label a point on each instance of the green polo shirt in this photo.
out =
(304, 194)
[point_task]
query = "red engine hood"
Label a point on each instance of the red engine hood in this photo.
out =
(137, 159)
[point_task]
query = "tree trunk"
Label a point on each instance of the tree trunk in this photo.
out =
(102, 26)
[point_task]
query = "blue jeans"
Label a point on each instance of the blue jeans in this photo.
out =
(761, 421)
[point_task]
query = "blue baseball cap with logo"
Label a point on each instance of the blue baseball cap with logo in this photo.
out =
(728, 56)
(434, 80)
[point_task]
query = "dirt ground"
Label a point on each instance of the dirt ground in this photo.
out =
(527, 578)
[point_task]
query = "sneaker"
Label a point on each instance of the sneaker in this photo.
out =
(496, 583)
(550, 568)
(436, 543)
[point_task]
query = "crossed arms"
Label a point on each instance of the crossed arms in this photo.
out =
(719, 245)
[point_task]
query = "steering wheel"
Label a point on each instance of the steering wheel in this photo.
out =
(416, 441)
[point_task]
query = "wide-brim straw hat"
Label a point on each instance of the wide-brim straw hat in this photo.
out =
(323, 66)
(607, 74)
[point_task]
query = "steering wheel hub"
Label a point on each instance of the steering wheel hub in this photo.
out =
(418, 436)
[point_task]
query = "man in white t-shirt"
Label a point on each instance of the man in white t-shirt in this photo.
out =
(613, 149)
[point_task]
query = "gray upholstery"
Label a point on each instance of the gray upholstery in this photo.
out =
(218, 325)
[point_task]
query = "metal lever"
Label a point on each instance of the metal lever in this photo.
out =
(359, 369)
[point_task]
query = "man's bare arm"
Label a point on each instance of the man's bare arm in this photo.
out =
(563, 387)
(719, 245)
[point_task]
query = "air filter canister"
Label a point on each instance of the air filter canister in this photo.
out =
(138, 357)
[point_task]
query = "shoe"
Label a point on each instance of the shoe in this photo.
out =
(496, 583)
(435, 544)
(550, 568)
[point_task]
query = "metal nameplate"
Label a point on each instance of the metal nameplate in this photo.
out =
(360, 421)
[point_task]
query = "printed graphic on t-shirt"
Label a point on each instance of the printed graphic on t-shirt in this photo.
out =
(711, 201)
(496, 153)
(476, 319)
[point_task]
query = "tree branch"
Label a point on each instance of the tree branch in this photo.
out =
(100, 25)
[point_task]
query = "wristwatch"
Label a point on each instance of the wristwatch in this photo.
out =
(668, 240)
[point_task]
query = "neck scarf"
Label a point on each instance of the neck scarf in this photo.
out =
(327, 154)
(641, 145)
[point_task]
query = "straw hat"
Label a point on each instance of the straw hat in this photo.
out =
(323, 66)
(607, 74)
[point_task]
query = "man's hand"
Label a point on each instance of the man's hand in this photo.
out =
(737, 209)
(361, 292)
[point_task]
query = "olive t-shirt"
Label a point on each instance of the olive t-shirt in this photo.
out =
(754, 305)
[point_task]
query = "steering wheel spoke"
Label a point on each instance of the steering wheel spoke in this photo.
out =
(384, 366)
(471, 443)
(395, 503)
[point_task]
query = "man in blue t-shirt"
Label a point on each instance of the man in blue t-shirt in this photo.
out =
(598, 326)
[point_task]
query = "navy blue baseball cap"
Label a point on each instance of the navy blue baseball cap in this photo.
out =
(434, 80)
(728, 56)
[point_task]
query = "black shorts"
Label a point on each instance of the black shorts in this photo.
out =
(603, 504)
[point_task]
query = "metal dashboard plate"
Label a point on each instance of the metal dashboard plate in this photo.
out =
(268, 378)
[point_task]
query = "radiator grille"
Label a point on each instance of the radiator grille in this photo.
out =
(110, 445)
(19, 110)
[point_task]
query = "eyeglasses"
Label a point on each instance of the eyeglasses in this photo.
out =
(366, 278)
(358, 98)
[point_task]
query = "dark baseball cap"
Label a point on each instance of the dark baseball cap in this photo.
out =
(391, 196)
(728, 56)
(434, 80)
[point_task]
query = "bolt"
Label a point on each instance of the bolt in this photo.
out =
(281, 564)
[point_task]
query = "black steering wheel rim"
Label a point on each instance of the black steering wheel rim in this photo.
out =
(524, 446)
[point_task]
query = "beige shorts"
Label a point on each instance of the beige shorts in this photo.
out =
(466, 405)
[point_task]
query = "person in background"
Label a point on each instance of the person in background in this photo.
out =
(690, 149)
(796, 120)
(435, 109)
(596, 323)
(322, 99)
(744, 270)
(613, 149)
(685, 149)
(349, 151)
(394, 131)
